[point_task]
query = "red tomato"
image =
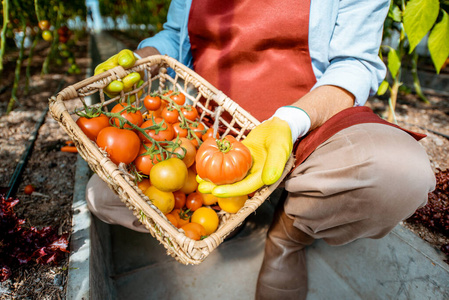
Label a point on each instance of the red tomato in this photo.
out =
(122, 145)
(189, 112)
(129, 113)
(194, 201)
(92, 126)
(179, 131)
(210, 134)
(152, 102)
(170, 115)
(147, 158)
(29, 189)
(180, 199)
(164, 133)
(177, 97)
(223, 161)
(198, 129)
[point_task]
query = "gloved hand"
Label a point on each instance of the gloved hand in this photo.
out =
(270, 144)
(125, 58)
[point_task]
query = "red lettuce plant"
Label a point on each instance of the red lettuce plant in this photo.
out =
(22, 245)
(435, 214)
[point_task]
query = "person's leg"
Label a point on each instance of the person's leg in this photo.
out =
(360, 183)
(107, 206)
(284, 255)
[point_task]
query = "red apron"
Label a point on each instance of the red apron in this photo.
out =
(256, 52)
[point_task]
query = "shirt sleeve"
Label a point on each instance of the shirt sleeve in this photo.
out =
(354, 62)
(167, 40)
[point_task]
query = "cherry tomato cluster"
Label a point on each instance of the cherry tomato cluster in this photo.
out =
(163, 143)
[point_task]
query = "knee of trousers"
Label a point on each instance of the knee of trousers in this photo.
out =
(100, 198)
(401, 182)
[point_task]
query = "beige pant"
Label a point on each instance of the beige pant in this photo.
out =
(359, 183)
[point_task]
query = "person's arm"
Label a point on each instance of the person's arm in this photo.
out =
(353, 49)
(167, 41)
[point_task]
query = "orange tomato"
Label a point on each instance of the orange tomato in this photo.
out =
(194, 201)
(144, 184)
(191, 184)
(207, 217)
(172, 219)
(182, 217)
(194, 231)
(209, 199)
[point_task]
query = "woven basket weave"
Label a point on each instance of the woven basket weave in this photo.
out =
(203, 96)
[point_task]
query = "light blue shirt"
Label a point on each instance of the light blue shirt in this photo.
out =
(344, 41)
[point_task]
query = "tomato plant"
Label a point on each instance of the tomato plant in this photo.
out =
(194, 201)
(92, 126)
(207, 217)
(165, 201)
(129, 112)
(122, 145)
(189, 112)
(180, 130)
(169, 175)
(223, 161)
(158, 129)
(177, 97)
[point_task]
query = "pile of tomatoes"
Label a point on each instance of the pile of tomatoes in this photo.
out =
(164, 144)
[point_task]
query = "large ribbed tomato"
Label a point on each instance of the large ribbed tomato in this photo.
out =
(223, 161)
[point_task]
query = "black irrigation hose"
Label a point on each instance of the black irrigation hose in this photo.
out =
(14, 181)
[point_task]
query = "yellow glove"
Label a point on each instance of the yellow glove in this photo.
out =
(126, 59)
(270, 144)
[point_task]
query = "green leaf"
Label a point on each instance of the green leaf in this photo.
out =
(419, 17)
(394, 63)
(383, 88)
(439, 42)
(395, 13)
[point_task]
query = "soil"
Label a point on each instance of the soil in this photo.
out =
(52, 171)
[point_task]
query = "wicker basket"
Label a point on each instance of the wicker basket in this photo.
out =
(202, 95)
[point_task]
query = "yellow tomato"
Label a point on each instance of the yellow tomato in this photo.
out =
(169, 175)
(207, 217)
(165, 201)
(232, 204)
(209, 199)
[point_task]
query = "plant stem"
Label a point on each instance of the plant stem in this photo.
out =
(17, 72)
(5, 4)
(29, 61)
(416, 82)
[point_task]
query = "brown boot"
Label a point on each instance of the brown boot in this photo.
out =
(283, 274)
